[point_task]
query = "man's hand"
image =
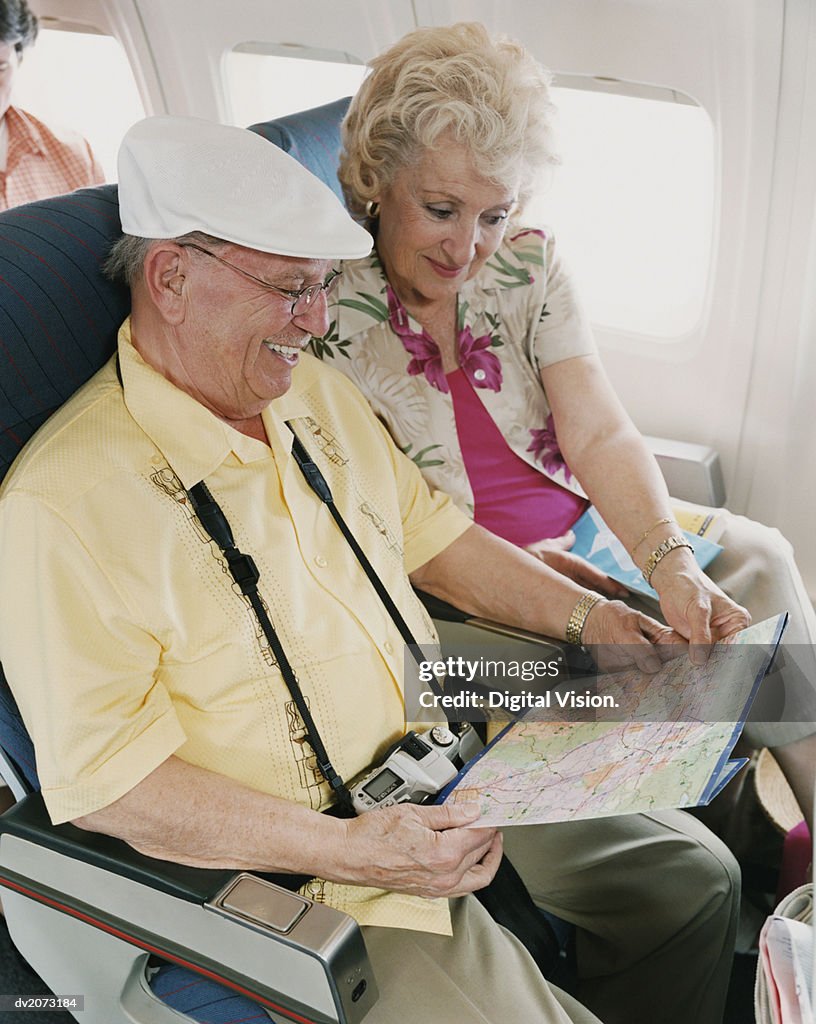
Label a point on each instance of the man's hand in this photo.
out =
(420, 850)
(620, 637)
(555, 552)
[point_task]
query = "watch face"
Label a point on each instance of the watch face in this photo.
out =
(383, 784)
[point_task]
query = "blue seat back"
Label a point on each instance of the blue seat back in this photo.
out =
(312, 137)
(58, 322)
(59, 316)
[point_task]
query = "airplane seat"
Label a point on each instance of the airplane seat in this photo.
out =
(18, 766)
(312, 137)
(58, 315)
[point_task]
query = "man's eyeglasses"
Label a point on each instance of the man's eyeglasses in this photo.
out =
(301, 299)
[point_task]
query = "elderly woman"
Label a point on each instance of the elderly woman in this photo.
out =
(463, 331)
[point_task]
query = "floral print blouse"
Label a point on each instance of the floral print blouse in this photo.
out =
(518, 315)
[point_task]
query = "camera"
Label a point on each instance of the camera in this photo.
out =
(417, 767)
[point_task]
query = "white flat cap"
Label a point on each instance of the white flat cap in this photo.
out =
(180, 174)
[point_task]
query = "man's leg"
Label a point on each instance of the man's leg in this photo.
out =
(479, 975)
(655, 899)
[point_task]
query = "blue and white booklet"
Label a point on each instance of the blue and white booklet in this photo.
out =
(595, 542)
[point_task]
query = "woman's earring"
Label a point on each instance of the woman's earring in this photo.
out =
(372, 209)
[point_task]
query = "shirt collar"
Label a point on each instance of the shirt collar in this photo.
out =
(193, 440)
(23, 133)
(359, 300)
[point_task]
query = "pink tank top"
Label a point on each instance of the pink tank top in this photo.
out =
(512, 499)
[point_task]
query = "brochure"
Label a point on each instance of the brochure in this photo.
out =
(595, 542)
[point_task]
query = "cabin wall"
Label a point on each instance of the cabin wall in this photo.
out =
(741, 380)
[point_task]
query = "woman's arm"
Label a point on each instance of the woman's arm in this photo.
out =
(606, 452)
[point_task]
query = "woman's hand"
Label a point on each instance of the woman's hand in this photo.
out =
(695, 606)
(555, 553)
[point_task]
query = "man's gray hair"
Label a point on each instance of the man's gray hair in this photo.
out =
(126, 259)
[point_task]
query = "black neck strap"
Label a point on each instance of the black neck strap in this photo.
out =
(318, 484)
(246, 575)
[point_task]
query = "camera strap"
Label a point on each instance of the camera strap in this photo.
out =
(246, 575)
(318, 483)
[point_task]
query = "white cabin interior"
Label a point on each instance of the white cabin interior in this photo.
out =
(686, 200)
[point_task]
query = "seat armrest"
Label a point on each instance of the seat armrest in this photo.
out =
(29, 820)
(86, 911)
(692, 472)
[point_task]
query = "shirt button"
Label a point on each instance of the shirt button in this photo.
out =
(479, 374)
(320, 561)
(389, 647)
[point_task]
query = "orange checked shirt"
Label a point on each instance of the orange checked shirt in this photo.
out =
(42, 162)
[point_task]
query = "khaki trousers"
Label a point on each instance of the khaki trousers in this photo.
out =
(479, 975)
(757, 569)
(655, 901)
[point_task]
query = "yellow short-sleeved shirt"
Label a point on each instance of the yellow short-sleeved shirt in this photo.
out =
(123, 637)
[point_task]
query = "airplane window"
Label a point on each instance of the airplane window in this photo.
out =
(631, 206)
(263, 85)
(81, 81)
(631, 203)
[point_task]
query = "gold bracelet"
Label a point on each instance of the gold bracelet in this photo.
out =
(652, 528)
(660, 552)
(578, 617)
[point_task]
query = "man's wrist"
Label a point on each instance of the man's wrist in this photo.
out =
(578, 616)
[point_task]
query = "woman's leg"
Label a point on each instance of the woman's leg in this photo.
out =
(757, 569)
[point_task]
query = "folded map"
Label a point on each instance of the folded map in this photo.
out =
(660, 741)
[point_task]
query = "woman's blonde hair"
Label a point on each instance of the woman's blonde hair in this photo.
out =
(488, 94)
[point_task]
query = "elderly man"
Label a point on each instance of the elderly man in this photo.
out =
(148, 686)
(35, 161)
